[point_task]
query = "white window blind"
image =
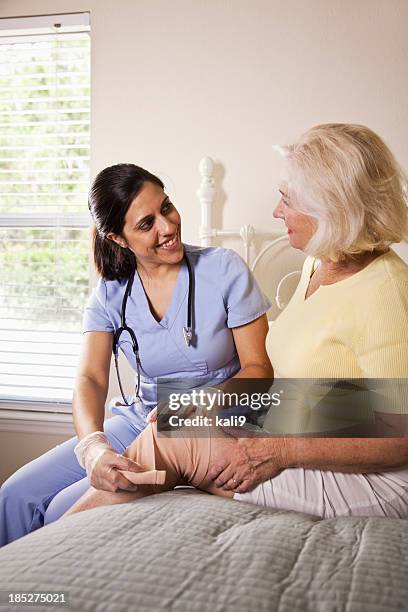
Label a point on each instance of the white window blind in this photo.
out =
(44, 176)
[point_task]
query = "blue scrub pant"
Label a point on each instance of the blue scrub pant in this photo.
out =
(41, 491)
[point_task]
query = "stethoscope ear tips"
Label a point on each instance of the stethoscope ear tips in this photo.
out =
(188, 335)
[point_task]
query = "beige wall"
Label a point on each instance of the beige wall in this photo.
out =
(19, 448)
(173, 81)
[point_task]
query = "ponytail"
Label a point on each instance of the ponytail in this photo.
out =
(111, 260)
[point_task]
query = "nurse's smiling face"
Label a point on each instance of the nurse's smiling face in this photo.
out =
(152, 229)
(301, 227)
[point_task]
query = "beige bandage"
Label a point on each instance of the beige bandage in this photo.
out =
(169, 461)
(154, 477)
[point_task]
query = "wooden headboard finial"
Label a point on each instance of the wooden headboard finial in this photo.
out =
(207, 168)
(206, 195)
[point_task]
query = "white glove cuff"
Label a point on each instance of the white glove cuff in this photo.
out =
(90, 448)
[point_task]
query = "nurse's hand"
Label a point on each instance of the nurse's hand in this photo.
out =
(105, 476)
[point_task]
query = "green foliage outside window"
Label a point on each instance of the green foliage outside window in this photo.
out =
(44, 170)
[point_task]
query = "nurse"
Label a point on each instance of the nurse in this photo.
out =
(191, 313)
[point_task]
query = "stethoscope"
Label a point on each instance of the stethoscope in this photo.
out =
(187, 331)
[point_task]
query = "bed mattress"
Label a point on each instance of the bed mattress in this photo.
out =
(189, 551)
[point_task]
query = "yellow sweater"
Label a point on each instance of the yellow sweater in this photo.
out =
(357, 327)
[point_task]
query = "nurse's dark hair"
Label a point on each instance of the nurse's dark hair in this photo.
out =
(110, 196)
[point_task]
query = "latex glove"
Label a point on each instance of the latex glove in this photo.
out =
(102, 463)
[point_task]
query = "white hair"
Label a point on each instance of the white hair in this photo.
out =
(345, 177)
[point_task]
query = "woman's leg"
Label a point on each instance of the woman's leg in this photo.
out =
(184, 459)
(323, 494)
(328, 494)
(35, 493)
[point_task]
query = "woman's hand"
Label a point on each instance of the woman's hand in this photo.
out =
(245, 466)
(251, 461)
(105, 475)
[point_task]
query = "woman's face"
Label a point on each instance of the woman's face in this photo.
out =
(301, 227)
(152, 229)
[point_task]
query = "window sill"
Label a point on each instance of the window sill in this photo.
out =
(35, 421)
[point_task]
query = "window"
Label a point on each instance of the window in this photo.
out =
(44, 176)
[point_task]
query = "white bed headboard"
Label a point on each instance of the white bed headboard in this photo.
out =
(281, 286)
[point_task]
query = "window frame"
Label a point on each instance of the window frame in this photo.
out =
(32, 414)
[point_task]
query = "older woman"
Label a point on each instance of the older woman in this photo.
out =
(343, 200)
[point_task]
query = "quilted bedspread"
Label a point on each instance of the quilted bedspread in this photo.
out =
(188, 551)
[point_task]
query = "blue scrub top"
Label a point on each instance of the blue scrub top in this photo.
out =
(226, 295)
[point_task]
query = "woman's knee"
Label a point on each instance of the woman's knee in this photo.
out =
(185, 458)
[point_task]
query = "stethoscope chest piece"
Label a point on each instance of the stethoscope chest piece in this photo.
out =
(188, 335)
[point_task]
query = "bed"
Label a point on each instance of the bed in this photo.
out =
(188, 551)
